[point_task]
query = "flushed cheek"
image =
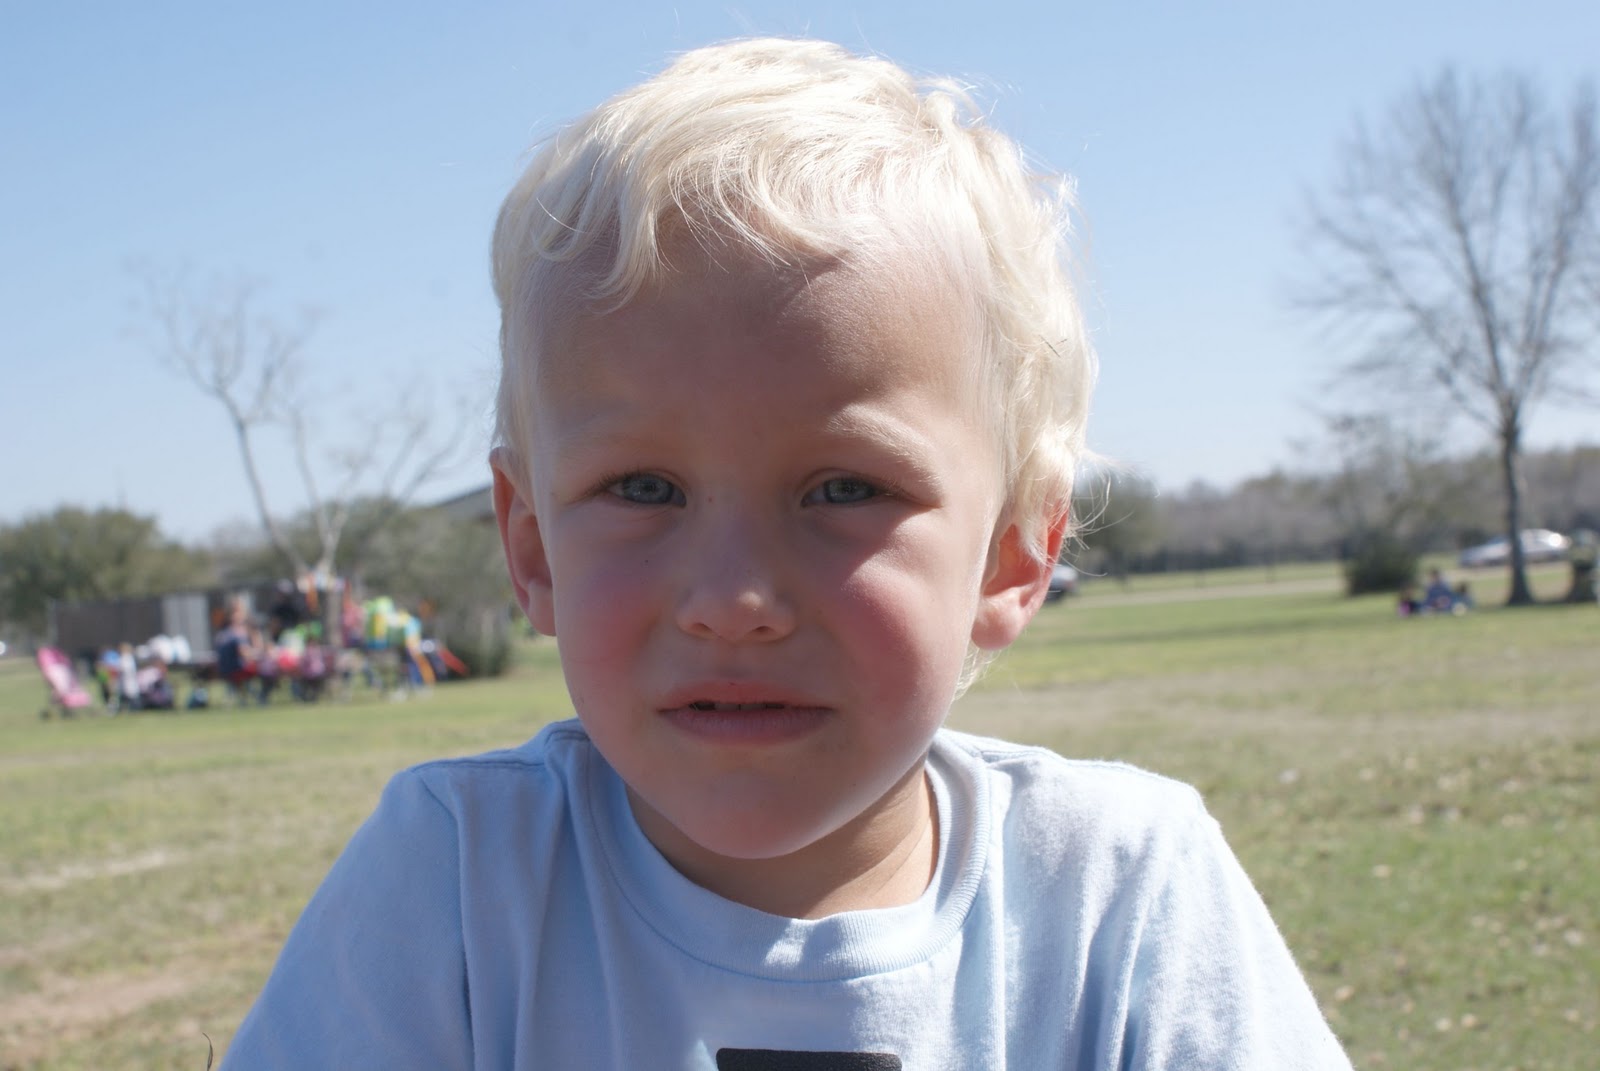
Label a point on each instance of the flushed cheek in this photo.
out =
(602, 623)
(924, 583)
(597, 573)
(623, 581)
(897, 621)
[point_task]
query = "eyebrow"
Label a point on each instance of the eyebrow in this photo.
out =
(903, 444)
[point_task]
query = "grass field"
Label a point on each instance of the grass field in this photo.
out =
(1419, 802)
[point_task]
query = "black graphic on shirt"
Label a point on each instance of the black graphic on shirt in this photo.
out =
(780, 1060)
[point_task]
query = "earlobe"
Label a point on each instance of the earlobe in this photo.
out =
(524, 546)
(1014, 586)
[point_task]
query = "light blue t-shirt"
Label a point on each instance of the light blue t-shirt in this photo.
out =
(505, 911)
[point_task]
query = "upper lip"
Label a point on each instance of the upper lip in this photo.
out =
(737, 691)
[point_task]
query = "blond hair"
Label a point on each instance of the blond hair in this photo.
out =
(800, 150)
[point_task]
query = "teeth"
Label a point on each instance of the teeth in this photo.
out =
(706, 704)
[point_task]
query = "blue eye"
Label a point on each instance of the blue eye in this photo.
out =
(643, 489)
(844, 491)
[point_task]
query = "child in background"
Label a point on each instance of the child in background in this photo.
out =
(793, 388)
(1439, 596)
(127, 678)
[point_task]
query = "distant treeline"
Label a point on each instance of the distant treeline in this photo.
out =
(1432, 505)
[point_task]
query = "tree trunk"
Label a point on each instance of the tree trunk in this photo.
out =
(275, 536)
(1510, 473)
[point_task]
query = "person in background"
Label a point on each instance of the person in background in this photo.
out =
(1439, 597)
(127, 679)
(236, 654)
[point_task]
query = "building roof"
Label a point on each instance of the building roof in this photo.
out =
(474, 505)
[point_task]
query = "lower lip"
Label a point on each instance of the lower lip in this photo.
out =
(747, 727)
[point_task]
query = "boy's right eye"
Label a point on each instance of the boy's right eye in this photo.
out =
(644, 489)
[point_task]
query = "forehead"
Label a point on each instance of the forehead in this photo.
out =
(893, 317)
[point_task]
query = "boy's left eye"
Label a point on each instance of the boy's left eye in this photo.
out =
(841, 491)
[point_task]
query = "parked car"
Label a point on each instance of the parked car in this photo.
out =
(1063, 582)
(1538, 545)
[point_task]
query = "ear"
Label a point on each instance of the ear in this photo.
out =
(1014, 585)
(524, 546)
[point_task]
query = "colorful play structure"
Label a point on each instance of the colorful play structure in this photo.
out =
(387, 627)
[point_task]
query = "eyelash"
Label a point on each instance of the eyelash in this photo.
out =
(877, 489)
(608, 486)
(874, 491)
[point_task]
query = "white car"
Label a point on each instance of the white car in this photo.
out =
(1538, 545)
(1063, 582)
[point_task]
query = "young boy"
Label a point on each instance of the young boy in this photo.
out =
(793, 388)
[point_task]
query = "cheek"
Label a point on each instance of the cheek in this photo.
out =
(909, 630)
(934, 568)
(601, 600)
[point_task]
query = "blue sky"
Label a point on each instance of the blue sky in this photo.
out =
(350, 157)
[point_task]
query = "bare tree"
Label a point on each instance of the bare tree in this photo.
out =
(1455, 247)
(248, 362)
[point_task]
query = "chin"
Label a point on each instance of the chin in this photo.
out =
(743, 832)
(754, 841)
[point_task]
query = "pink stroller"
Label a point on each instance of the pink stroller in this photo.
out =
(63, 693)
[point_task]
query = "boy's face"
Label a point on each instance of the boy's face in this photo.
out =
(763, 526)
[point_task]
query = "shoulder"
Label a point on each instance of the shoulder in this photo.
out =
(499, 820)
(529, 778)
(1101, 830)
(556, 746)
(1038, 780)
(445, 878)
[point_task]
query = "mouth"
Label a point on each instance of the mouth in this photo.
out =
(723, 708)
(742, 722)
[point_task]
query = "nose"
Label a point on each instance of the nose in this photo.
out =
(731, 588)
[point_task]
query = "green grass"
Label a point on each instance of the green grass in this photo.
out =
(1419, 802)
(1234, 576)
